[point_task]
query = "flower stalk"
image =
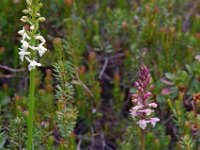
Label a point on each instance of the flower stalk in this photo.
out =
(31, 109)
(143, 140)
(32, 44)
(143, 109)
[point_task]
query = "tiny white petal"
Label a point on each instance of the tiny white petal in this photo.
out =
(33, 47)
(40, 38)
(23, 53)
(21, 32)
(25, 45)
(197, 57)
(33, 64)
(41, 50)
(24, 34)
(32, 27)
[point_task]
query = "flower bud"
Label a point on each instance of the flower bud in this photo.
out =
(25, 11)
(48, 72)
(152, 87)
(140, 89)
(125, 25)
(147, 95)
(48, 88)
(68, 2)
(92, 55)
(24, 19)
(38, 14)
(136, 84)
(82, 70)
(134, 95)
(117, 76)
(41, 19)
(141, 83)
(28, 2)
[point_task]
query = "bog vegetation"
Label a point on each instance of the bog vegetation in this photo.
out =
(99, 75)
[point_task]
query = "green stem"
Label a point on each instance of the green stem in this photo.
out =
(31, 109)
(143, 140)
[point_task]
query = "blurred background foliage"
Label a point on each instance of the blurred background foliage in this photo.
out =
(105, 41)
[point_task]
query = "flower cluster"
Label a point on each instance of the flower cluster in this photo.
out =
(143, 110)
(32, 41)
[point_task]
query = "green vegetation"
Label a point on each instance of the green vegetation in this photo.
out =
(83, 88)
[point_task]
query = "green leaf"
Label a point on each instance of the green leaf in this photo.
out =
(169, 76)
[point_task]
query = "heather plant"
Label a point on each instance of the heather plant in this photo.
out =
(187, 134)
(90, 92)
(118, 92)
(17, 133)
(66, 113)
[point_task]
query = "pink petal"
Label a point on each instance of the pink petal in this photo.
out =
(166, 91)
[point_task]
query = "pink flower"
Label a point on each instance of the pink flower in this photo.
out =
(153, 105)
(147, 95)
(143, 110)
(154, 121)
(133, 113)
(134, 96)
(147, 111)
(135, 100)
(142, 124)
(166, 91)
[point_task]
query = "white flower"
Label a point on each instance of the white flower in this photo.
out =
(33, 47)
(39, 37)
(23, 53)
(142, 124)
(24, 34)
(25, 45)
(154, 120)
(197, 57)
(21, 32)
(33, 64)
(32, 41)
(41, 50)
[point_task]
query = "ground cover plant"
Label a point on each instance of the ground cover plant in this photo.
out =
(99, 75)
